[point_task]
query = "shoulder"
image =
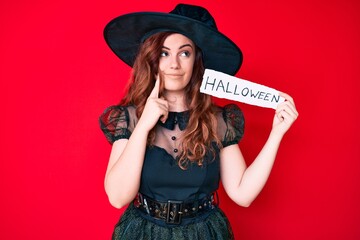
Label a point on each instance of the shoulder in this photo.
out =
(230, 123)
(229, 112)
(117, 122)
(116, 113)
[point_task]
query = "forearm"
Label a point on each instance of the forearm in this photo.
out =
(257, 174)
(122, 180)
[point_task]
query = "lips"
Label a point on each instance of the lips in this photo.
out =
(174, 76)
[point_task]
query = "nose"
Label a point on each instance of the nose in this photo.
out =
(175, 64)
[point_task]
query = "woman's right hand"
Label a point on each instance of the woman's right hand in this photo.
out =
(122, 180)
(155, 108)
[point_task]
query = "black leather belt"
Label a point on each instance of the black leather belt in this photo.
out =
(173, 211)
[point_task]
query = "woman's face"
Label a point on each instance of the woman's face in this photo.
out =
(176, 62)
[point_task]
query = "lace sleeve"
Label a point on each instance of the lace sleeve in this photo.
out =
(115, 123)
(234, 122)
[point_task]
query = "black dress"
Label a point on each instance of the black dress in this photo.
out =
(162, 179)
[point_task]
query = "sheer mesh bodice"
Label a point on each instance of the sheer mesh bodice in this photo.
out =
(119, 121)
(161, 176)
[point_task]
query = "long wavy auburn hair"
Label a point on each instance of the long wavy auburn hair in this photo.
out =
(200, 133)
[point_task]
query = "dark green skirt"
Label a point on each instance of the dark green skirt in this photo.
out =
(133, 225)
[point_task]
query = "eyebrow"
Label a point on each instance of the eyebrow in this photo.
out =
(182, 46)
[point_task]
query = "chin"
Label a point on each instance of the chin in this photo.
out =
(174, 87)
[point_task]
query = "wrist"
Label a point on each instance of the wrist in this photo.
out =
(143, 126)
(276, 135)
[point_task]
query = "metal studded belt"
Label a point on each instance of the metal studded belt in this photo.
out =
(172, 212)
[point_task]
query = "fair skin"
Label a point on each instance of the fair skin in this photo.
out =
(241, 183)
(176, 67)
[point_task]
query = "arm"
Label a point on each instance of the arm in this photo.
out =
(122, 178)
(243, 184)
(123, 174)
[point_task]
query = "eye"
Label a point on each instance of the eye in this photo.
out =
(185, 54)
(164, 54)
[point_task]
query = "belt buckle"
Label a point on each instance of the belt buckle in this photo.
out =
(174, 212)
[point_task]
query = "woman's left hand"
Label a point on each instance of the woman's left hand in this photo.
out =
(285, 115)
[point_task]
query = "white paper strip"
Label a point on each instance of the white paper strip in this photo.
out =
(222, 85)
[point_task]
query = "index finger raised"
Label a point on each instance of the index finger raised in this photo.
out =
(155, 92)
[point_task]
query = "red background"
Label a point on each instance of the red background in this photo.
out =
(57, 76)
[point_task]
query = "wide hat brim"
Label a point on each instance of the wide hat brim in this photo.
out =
(125, 33)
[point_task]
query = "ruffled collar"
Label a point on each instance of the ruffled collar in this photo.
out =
(180, 118)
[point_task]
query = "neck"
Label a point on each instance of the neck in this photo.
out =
(176, 101)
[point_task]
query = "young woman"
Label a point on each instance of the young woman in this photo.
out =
(171, 144)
